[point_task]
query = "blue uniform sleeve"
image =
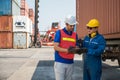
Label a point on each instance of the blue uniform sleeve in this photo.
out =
(98, 51)
(77, 42)
(57, 36)
(83, 42)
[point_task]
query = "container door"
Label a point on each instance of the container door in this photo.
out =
(20, 40)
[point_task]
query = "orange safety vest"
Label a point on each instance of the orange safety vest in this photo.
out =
(65, 42)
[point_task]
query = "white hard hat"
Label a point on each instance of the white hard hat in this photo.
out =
(71, 20)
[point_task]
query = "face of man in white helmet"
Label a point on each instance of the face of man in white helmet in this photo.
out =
(70, 27)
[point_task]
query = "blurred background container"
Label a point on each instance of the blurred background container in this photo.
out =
(9, 7)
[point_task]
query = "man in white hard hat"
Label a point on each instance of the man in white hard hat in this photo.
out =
(65, 43)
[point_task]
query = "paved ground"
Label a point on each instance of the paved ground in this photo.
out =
(37, 64)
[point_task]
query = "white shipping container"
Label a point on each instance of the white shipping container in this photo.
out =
(22, 24)
(15, 7)
(21, 40)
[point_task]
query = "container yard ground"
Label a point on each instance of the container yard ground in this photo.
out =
(37, 64)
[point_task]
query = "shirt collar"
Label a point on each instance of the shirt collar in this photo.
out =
(67, 32)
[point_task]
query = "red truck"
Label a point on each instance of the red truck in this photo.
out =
(49, 36)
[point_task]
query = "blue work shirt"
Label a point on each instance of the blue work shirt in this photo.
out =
(57, 39)
(92, 59)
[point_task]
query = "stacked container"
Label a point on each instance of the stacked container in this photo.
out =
(106, 11)
(15, 30)
(6, 32)
(24, 8)
(22, 29)
(31, 15)
(8, 8)
(22, 24)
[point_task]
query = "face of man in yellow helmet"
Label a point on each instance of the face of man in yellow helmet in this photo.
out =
(91, 30)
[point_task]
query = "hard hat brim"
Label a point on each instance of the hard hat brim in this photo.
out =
(72, 23)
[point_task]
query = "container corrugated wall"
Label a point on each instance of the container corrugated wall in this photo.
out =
(6, 40)
(9, 7)
(24, 8)
(6, 23)
(106, 11)
(21, 40)
(5, 7)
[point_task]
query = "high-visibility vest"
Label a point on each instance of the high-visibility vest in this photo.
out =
(65, 42)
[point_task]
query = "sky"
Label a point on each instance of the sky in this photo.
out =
(53, 11)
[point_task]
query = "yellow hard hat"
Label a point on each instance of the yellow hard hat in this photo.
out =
(93, 23)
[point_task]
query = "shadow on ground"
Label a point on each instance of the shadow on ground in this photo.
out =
(45, 71)
(110, 72)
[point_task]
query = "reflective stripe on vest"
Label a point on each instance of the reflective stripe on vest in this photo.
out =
(68, 39)
(65, 42)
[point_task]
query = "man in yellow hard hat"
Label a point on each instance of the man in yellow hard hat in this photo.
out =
(95, 45)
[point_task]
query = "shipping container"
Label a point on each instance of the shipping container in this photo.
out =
(106, 11)
(24, 8)
(32, 19)
(6, 41)
(24, 5)
(9, 7)
(22, 24)
(31, 12)
(33, 34)
(6, 23)
(23, 12)
(31, 15)
(21, 40)
(15, 7)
